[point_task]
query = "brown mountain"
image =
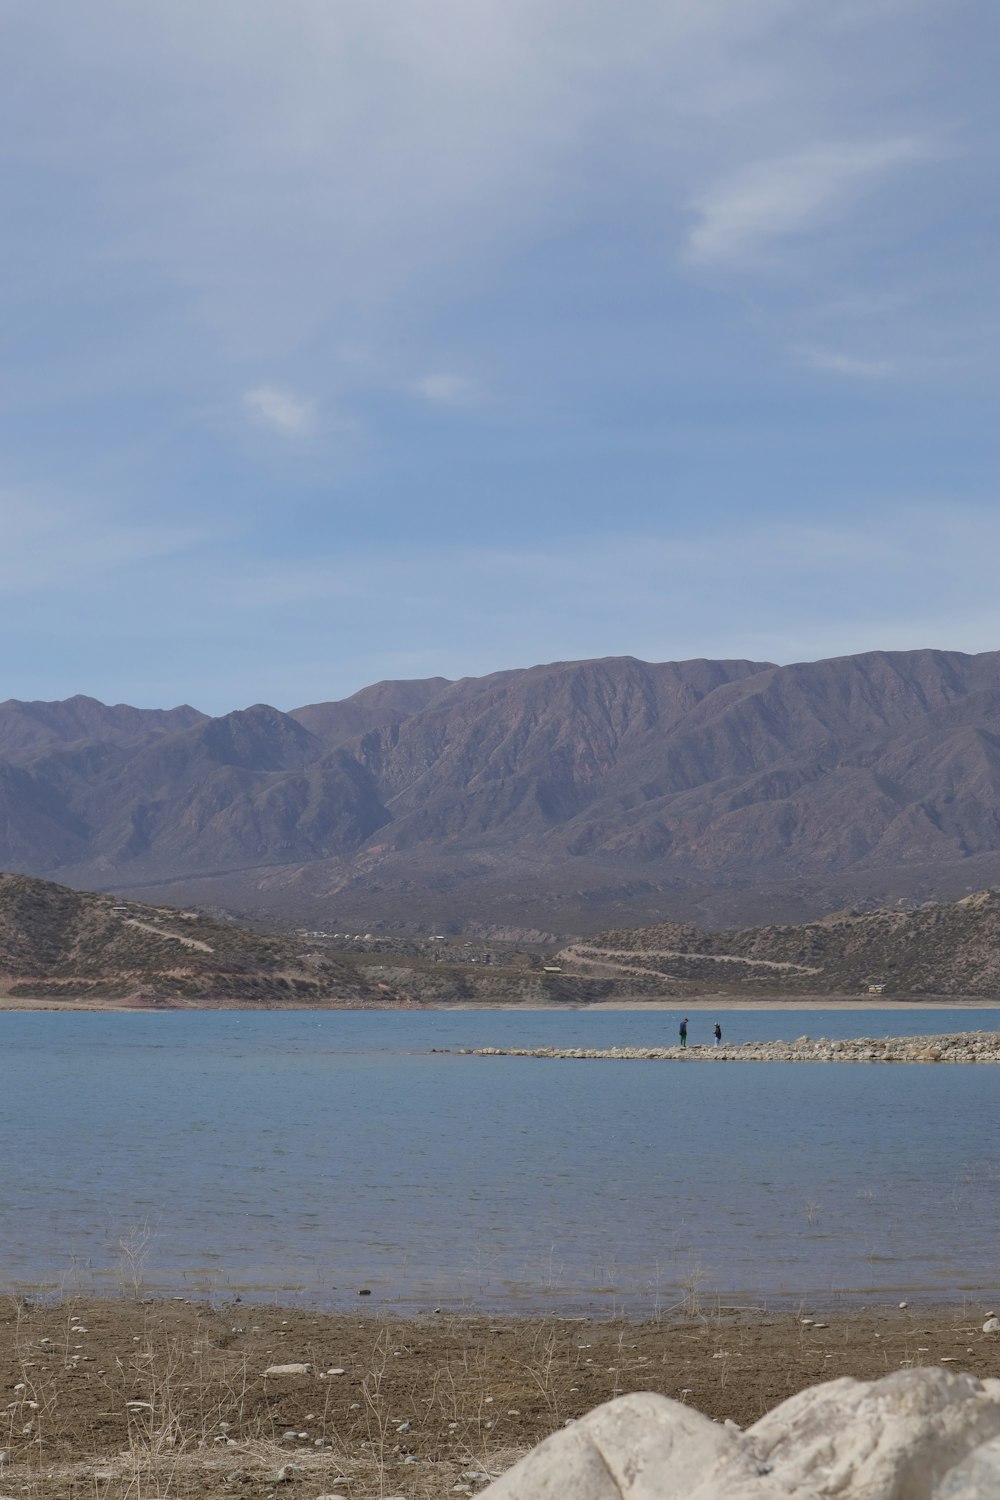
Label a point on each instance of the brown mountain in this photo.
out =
(59, 944)
(561, 796)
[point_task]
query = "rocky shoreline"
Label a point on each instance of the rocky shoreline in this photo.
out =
(956, 1047)
(128, 1396)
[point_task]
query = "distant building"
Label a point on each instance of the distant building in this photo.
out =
(876, 989)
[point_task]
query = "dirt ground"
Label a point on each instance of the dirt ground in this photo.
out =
(131, 1399)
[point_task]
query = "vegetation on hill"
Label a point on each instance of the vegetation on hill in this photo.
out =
(939, 949)
(58, 943)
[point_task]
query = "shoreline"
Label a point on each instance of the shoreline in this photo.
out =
(701, 1003)
(129, 1395)
(969, 1047)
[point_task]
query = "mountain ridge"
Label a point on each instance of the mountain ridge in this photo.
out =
(549, 795)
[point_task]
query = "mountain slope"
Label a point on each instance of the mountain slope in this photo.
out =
(948, 949)
(70, 945)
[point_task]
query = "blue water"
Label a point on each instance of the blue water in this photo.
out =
(307, 1155)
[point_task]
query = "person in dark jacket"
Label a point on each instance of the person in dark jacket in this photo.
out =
(717, 1033)
(684, 1032)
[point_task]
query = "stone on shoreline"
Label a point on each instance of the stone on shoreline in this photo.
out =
(920, 1434)
(960, 1047)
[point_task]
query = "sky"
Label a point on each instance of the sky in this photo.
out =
(344, 340)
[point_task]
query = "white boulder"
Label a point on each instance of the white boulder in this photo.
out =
(925, 1434)
(891, 1439)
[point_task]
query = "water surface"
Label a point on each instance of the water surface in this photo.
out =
(309, 1154)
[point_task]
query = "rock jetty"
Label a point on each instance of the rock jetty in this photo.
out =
(958, 1047)
(914, 1435)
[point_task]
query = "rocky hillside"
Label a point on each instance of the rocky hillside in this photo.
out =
(70, 945)
(950, 949)
(562, 796)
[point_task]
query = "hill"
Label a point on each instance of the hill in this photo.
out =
(71, 945)
(562, 797)
(949, 950)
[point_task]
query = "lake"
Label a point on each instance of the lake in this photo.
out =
(305, 1155)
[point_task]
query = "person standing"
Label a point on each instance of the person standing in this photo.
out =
(684, 1032)
(717, 1034)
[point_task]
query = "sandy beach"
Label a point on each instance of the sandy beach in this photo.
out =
(127, 1397)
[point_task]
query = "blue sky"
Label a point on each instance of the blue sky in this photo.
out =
(346, 340)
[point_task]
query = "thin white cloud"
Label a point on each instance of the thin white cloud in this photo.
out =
(444, 389)
(49, 543)
(848, 365)
(771, 201)
(281, 410)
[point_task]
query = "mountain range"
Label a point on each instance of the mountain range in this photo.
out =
(560, 798)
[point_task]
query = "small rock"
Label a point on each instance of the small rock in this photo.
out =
(284, 1475)
(294, 1369)
(364, 1291)
(336, 1370)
